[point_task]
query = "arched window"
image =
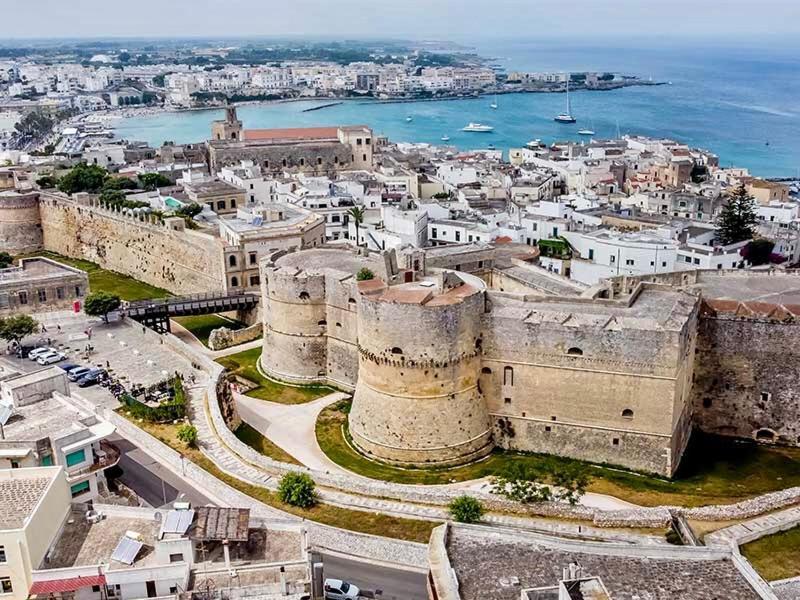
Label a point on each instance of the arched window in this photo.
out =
(396, 350)
(765, 435)
(319, 160)
(351, 300)
(508, 376)
(304, 296)
(627, 413)
(322, 322)
(486, 371)
(232, 260)
(575, 351)
(234, 281)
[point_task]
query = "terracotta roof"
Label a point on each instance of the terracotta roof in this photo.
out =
(298, 133)
(69, 584)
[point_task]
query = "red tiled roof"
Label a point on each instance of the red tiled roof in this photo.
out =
(70, 584)
(297, 133)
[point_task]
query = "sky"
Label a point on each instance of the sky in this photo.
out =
(454, 20)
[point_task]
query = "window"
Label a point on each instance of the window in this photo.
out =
(79, 488)
(336, 160)
(547, 428)
(707, 402)
(664, 263)
(3, 554)
(255, 280)
(302, 162)
(507, 400)
(174, 558)
(5, 586)
(697, 261)
(629, 262)
(397, 350)
(234, 281)
(78, 291)
(304, 296)
(591, 253)
(615, 442)
(233, 202)
(433, 232)
(77, 457)
(232, 260)
(766, 396)
(627, 413)
(612, 259)
(15, 464)
(47, 460)
(458, 236)
(336, 218)
(173, 589)
(60, 293)
(367, 141)
(221, 205)
(253, 258)
(574, 351)
(486, 371)
(96, 589)
(508, 376)
(23, 297)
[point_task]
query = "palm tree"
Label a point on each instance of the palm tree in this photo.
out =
(357, 214)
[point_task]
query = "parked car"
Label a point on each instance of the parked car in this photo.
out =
(92, 377)
(37, 352)
(68, 366)
(336, 589)
(76, 374)
(50, 358)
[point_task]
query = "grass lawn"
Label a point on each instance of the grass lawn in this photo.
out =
(714, 470)
(103, 280)
(775, 556)
(259, 443)
(353, 520)
(201, 326)
(243, 364)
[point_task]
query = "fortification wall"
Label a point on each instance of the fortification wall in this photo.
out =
(317, 158)
(417, 399)
(746, 378)
(182, 262)
(342, 317)
(585, 392)
(20, 224)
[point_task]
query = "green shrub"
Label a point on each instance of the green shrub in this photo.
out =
(173, 409)
(466, 509)
(297, 489)
(365, 274)
(188, 434)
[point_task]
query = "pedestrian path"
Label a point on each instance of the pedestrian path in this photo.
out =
(291, 427)
(748, 531)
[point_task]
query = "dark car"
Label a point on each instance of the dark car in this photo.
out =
(68, 366)
(91, 378)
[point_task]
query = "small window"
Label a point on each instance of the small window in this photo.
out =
(231, 260)
(5, 586)
(221, 205)
(615, 442)
(234, 281)
(79, 488)
(60, 293)
(23, 297)
(322, 322)
(255, 280)
(175, 558)
(304, 296)
(574, 351)
(173, 589)
(707, 402)
(486, 371)
(96, 589)
(548, 429)
(507, 400)
(766, 435)
(233, 202)
(508, 376)
(766, 396)
(78, 291)
(253, 258)
(3, 554)
(397, 350)
(302, 162)
(627, 413)
(351, 300)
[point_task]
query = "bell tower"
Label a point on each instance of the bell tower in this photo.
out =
(230, 129)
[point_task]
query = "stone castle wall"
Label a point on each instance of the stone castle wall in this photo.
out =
(182, 262)
(746, 378)
(417, 399)
(20, 224)
(309, 157)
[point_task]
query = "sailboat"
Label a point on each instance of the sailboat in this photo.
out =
(494, 104)
(587, 130)
(445, 138)
(566, 117)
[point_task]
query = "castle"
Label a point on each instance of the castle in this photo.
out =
(453, 352)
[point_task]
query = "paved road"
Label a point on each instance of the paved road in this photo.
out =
(394, 584)
(154, 484)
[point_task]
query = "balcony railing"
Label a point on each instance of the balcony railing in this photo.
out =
(106, 457)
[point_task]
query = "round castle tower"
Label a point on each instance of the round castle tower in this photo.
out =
(417, 399)
(20, 222)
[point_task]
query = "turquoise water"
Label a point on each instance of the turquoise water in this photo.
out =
(742, 104)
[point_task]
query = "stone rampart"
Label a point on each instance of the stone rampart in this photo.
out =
(20, 224)
(222, 338)
(182, 262)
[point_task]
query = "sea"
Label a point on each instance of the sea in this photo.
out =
(741, 102)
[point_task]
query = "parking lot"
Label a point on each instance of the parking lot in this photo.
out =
(129, 352)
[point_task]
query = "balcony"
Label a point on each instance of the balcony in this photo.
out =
(107, 456)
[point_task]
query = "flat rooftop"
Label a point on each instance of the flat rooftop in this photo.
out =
(213, 188)
(321, 259)
(41, 420)
(19, 495)
(776, 287)
(35, 269)
(84, 544)
(499, 565)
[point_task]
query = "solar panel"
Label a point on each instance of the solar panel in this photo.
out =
(5, 413)
(177, 521)
(126, 550)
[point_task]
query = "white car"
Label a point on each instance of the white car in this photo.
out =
(37, 352)
(50, 358)
(336, 589)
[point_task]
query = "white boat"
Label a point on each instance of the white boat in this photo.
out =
(587, 130)
(494, 104)
(566, 117)
(445, 138)
(478, 128)
(409, 118)
(537, 143)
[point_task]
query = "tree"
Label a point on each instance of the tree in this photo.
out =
(17, 327)
(189, 211)
(364, 275)
(153, 181)
(466, 509)
(83, 178)
(758, 252)
(5, 260)
(188, 434)
(48, 181)
(357, 214)
(120, 183)
(737, 220)
(526, 483)
(99, 304)
(297, 489)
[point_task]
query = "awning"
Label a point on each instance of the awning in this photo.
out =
(98, 431)
(57, 586)
(14, 452)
